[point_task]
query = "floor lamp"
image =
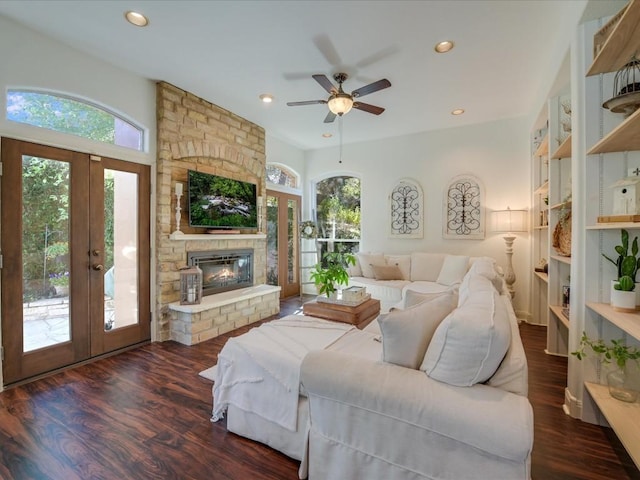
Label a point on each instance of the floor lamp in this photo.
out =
(510, 221)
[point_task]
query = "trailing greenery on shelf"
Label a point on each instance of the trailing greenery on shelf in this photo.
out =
(627, 263)
(615, 351)
(333, 273)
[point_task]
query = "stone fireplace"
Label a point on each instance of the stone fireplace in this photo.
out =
(194, 134)
(223, 270)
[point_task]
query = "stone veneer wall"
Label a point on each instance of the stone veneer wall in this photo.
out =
(194, 134)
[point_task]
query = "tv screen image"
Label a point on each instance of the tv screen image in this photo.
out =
(220, 202)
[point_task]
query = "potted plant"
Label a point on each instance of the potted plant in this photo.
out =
(334, 272)
(623, 297)
(622, 381)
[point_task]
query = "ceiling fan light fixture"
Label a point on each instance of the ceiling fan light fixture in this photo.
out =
(340, 103)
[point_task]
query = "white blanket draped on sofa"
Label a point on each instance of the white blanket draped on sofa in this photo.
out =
(259, 371)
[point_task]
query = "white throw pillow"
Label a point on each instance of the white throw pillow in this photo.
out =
(403, 262)
(426, 266)
(368, 259)
(453, 269)
(468, 346)
(406, 333)
(411, 297)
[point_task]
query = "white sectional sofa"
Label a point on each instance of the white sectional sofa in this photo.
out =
(387, 277)
(458, 411)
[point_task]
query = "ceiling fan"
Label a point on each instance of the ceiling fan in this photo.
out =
(340, 102)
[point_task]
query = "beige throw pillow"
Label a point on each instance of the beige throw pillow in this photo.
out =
(368, 259)
(386, 272)
(406, 333)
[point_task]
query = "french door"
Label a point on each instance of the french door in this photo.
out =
(75, 251)
(283, 256)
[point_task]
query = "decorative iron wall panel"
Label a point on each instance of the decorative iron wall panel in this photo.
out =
(406, 208)
(463, 216)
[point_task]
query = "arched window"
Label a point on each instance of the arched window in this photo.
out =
(338, 214)
(75, 116)
(280, 175)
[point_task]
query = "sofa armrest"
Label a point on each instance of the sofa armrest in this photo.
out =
(489, 419)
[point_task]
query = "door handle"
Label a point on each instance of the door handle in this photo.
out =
(95, 253)
(98, 267)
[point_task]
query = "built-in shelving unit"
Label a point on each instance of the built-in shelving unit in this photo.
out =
(612, 145)
(564, 150)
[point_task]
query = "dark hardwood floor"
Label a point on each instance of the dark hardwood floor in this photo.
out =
(144, 414)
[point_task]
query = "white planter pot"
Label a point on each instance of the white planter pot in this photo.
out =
(623, 301)
(636, 291)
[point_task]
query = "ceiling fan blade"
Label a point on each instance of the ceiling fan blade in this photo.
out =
(325, 83)
(330, 117)
(368, 108)
(308, 102)
(372, 87)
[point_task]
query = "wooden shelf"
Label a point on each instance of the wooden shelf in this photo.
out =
(542, 189)
(557, 311)
(614, 226)
(561, 259)
(622, 43)
(623, 417)
(623, 138)
(628, 322)
(542, 276)
(558, 206)
(541, 227)
(564, 150)
(543, 149)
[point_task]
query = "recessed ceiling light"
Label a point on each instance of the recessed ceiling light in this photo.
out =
(137, 19)
(266, 98)
(444, 46)
(457, 111)
(327, 135)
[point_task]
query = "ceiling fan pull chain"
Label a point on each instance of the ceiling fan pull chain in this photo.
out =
(340, 131)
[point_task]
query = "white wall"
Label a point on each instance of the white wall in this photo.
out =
(497, 153)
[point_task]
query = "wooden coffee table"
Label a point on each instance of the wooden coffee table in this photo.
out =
(360, 316)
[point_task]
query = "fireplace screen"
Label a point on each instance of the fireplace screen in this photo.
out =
(223, 270)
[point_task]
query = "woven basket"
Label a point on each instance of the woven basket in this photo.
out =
(561, 240)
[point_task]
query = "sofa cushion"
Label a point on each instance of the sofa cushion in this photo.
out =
(368, 259)
(453, 269)
(386, 272)
(468, 346)
(474, 283)
(403, 262)
(406, 333)
(426, 266)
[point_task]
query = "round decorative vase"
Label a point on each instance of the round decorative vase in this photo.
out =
(621, 387)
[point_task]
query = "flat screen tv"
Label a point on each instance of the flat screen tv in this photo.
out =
(221, 203)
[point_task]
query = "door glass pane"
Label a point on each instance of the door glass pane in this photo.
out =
(292, 244)
(272, 240)
(120, 249)
(45, 252)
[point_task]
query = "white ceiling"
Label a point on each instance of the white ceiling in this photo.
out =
(230, 52)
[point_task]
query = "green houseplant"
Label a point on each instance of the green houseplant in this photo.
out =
(622, 382)
(623, 297)
(334, 272)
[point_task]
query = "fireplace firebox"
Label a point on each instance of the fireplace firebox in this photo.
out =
(223, 270)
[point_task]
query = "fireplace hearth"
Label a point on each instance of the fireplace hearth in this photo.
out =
(223, 270)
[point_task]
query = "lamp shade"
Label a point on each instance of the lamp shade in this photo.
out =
(510, 221)
(340, 103)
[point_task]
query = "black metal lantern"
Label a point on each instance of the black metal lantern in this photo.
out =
(190, 285)
(626, 89)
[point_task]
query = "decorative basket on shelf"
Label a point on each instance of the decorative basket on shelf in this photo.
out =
(561, 240)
